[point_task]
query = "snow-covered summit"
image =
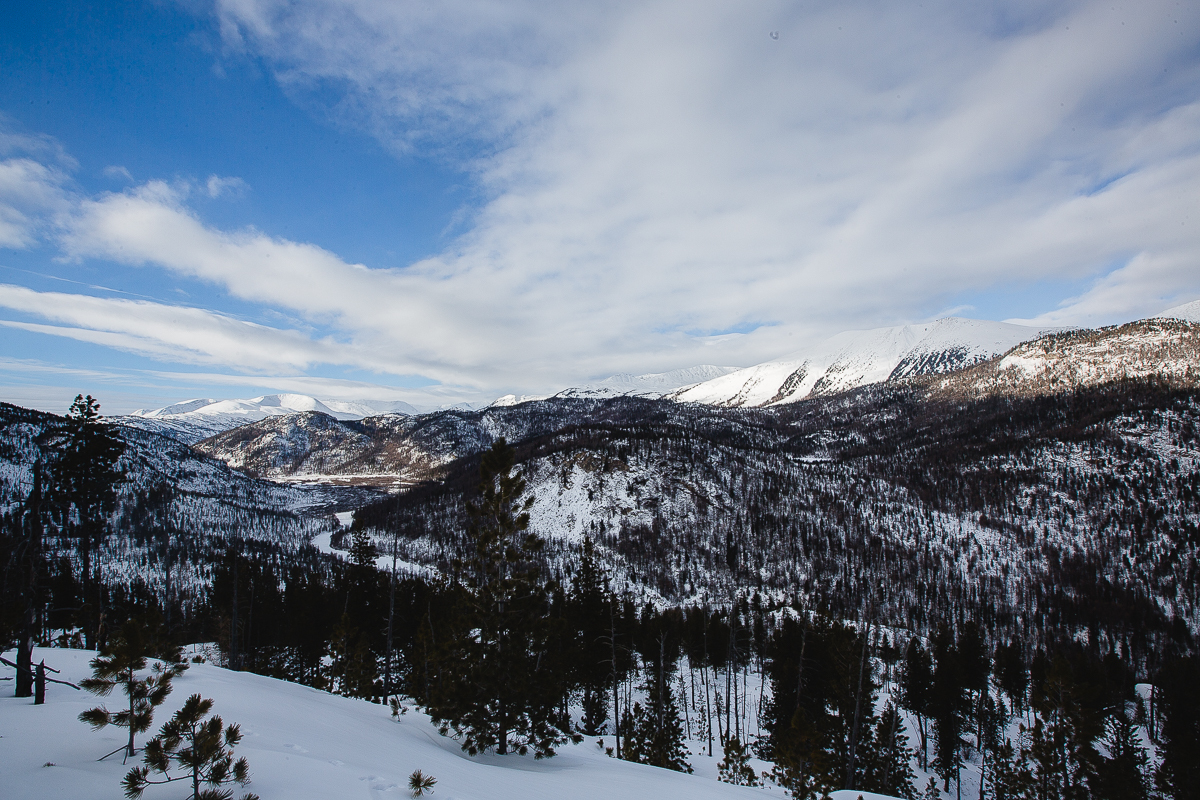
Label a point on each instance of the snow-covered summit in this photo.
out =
(1189, 312)
(193, 420)
(856, 358)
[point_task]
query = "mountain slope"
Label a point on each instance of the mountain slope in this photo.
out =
(172, 498)
(306, 744)
(856, 358)
(1188, 311)
(1161, 349)
(1030, 506)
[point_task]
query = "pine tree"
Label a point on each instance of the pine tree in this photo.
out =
(916, 689)
(591, 652)
(118, 665)
(1012, 675)
(419, 783)
(654, 734)
(497, 688)
(1178, 685)
(949, 703)
(735, 765)
(1122, 773)
(84, 479)
(353, 665)
(202, 748)
(889, 771)
(1009, 777)
(28, 531)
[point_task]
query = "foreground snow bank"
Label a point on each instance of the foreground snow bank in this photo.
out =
(304, 743)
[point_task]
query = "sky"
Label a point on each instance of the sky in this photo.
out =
(443, 202)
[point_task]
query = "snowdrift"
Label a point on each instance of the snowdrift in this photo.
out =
(304, 743)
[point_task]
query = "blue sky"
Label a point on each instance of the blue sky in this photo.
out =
(375, 200)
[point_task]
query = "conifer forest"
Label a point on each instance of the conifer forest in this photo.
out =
(886, 590)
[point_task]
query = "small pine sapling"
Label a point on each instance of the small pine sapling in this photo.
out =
(419, 783)
(119, 665)
(735, 766)
(202, 748)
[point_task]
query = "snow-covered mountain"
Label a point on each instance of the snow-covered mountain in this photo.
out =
(625, 384)
(1188, 311)
(194, 420)
(649, 385)
(1164, 349)
(856, 358)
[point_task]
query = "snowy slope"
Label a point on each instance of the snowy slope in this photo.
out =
(624, 384)
(193, 420)
(856, 358)
(1187, 311)
(304, 743)
(1165, 349)
(649, 385)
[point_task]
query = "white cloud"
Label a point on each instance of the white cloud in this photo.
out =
(217, 186)
(31, 194)
(118, 172)
(666, 167)
(659, 174)
(174, 333)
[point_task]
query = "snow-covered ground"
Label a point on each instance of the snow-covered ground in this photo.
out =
(305, 743)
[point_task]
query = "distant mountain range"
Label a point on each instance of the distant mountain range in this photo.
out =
(194, 420)
(846, 361)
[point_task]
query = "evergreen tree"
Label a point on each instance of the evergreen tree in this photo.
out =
(118, 665)
(85, 477)
(353, 666)
(497, 687)
(1010, 777)
(735, 765)
(1123, 771)
(1012, 675)
(949, 703)
(1178, 687)
(202, 748)
(1047, 760)
(654, 734)
(916, 691)
(591, 652)
(889, 771)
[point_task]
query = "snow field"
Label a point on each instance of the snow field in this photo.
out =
(304, 743)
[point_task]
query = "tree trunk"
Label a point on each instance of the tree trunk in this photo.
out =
(862, 667)
(39, 697)
(387, 680)
(33, 521)
(234, 657)
(85, 541)
(129, 748)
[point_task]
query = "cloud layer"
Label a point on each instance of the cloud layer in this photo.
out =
(666, 183)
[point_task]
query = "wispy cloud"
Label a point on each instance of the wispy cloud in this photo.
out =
(174, 333)
(666, 183)
(673, 163)
(218, 186)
